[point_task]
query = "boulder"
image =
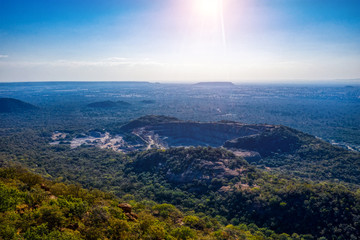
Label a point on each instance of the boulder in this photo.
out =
(125, 207)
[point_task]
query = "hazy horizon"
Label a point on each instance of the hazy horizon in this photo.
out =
(334, 82)
(181, 41)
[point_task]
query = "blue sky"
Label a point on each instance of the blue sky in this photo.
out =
(180, 40)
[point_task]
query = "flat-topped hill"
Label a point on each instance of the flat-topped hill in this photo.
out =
(171, 132)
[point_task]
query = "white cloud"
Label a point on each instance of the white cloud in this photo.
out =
(110, 62)
(146, 69)
(3, 56)
(107, 62)
(107, 69)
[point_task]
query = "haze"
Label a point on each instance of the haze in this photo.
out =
(180, 40)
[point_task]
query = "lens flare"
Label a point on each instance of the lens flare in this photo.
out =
(209, 8)
(211, 11)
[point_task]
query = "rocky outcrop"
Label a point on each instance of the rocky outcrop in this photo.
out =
(127, 209)
(186, 165)
(206, 171)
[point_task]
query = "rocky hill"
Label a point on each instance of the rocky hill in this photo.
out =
(170, 132)
(203, 180)
(188, 165)
(274, 147)
(277, 147)
(226, 185)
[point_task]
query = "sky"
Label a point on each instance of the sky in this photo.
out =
(180, 40)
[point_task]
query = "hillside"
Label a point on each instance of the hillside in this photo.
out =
(219, 183)
(148, 120)
(196, 164)
(277, 147)
(206, 180)
(274, 147)
(301, 154)
(170, 131)
(9, 105)
(34, 208)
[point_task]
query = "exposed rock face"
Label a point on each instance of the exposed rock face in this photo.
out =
(256, 143)
(127, 209)
(186, 165)
(207, 171)
(43, 186)
(248, 155)
(202, 134)
(251, 141)
(164, 132)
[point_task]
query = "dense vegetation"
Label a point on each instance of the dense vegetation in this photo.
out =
(147, 120)
(187, 178)
(8, 105)
(180, 193)
(36, 209)
(301, 154)
(330, 112)
(279, 203)
(277, 147)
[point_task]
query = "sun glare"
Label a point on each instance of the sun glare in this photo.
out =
(209, 8)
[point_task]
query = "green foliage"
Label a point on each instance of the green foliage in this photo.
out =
(184, 233)
(191, 221)
(302, 155)
(72, 207)
(9, 197)
(69, 212)
(51, 215)
(184, 178)
(166, 210)
(37, 232)
(7, 231)
(147, 120)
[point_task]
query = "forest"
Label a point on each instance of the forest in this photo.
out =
(207, 181)
(304, 186)
(32, 207)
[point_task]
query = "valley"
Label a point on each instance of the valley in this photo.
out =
(180, 120)
(175, 159)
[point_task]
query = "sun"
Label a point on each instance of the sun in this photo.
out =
(208, 8)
